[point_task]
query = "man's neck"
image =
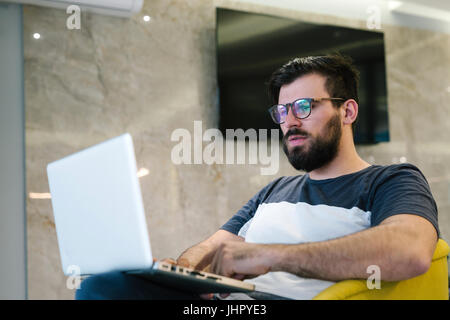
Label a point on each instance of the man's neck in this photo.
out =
(346, 161)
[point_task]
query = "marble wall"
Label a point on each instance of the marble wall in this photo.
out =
(125, 75)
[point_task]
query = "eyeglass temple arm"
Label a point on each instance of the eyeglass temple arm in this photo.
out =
(320, 99)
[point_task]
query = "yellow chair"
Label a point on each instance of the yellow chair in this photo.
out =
(432, 285)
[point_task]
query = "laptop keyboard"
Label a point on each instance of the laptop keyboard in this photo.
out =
(187, 271)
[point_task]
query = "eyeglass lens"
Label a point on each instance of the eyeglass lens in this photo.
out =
(301, 109)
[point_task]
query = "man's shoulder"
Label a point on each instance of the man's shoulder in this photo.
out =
(394, 174)
(395, 169)
(374, 175)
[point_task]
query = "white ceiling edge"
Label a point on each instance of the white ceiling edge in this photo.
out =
(117, 8)
(410, 14)
(414, 9)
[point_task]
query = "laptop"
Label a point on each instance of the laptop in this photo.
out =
(101, 225)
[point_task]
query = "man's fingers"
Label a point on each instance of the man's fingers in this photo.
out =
(238, 276)
(168, 260)
(218, 268)
(207, 296)
(220, 264)
(183, 262)
(214, 264)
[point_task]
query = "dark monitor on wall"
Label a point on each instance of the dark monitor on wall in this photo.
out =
(251, 46)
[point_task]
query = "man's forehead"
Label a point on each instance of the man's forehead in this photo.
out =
(307, 86)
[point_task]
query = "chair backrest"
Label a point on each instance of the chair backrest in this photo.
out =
(432, 285)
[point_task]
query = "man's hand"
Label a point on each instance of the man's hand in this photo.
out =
(239, 260)
(199, 256)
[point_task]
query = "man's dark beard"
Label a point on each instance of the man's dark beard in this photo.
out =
(321, 149)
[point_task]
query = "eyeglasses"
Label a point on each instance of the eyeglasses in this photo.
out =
(301, 108)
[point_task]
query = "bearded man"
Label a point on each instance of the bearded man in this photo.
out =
(300, 234)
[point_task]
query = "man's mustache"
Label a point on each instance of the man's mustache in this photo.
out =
(294, 131)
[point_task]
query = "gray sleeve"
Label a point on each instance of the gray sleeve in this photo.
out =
(247, 212)
(243, 215)
(404, 189)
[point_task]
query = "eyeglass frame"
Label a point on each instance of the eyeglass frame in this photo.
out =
(289, 105)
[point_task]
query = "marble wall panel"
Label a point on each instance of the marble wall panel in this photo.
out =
(123, 75)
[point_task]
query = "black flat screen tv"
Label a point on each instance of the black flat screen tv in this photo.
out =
(251, 46)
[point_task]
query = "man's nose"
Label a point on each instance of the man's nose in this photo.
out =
(291, 120)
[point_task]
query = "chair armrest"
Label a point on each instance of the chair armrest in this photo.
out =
(433, 284)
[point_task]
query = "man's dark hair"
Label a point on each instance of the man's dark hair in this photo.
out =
(342, 77)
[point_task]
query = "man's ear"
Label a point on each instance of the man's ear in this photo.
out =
(350, 111)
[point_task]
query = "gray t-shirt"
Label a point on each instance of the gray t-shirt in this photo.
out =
(298, 209)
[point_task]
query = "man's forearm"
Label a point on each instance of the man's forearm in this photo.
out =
(348, 257)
